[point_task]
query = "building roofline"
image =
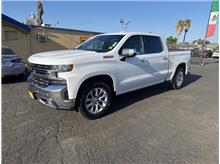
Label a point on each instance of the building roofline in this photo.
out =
(65, 29)
(16, 23)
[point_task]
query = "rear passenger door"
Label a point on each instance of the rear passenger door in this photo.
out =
(156, 57)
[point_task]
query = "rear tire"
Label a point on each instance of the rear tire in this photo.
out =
(178, 79)
(94, 99)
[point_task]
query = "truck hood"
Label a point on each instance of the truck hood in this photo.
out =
(64, 57)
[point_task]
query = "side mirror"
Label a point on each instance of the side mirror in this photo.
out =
(129, 52)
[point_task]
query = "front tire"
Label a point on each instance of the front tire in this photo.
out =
(178, 79)
(95, 99)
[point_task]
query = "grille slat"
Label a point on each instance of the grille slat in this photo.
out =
(40, 82)
(43, 76)
(44, 82)
(40, 69)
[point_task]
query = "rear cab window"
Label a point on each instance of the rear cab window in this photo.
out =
(152, 44)
(144, 44)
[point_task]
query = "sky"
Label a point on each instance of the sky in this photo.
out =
(145, 16)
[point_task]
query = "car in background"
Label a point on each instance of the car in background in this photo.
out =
(208, 53)
(195, 52)
(205, 53)
(215, 54)
(198, 52)
(12, 64)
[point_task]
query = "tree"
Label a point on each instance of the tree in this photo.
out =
(186, 25)
(207, 42)
(200, 41)
(179, 28)
(31, 20)
(171, 41)
(34, 19)
(40, 12)
(216, 48)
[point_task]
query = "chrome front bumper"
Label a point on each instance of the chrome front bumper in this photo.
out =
(53, 96)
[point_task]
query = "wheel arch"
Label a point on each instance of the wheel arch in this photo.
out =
(102, 77)
(180, 65)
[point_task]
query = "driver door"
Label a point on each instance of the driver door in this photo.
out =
(133, 72)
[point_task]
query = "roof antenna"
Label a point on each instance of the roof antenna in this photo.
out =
(124, 25)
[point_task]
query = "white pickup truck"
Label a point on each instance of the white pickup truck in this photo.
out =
(90, 75)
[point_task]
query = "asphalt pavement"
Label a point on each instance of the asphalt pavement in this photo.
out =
(151, 125)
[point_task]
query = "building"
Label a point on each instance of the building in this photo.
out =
(27, 40)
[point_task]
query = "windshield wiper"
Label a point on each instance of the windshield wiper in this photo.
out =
(89, 50)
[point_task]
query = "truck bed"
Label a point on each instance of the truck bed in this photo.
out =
(179, 53)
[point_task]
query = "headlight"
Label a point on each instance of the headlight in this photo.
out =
(63, 68)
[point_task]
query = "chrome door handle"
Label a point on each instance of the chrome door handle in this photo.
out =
(142, 60)
(165, 58)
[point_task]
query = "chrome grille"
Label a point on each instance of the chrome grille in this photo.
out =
(40, 69)
(44, 81)
(40, 82)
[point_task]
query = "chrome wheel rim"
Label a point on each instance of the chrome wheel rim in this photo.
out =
(96, 100)
(179, 79)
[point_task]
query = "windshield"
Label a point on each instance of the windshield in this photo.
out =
(101, 43)
(7, 51)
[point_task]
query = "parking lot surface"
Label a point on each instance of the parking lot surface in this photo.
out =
(152, 125)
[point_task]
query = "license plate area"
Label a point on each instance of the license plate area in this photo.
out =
(32, 95)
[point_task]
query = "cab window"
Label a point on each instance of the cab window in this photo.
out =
(152, 44)
(134, 42)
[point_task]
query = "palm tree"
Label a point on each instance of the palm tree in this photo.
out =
(179, 28)
(171, 41)
(186, 24)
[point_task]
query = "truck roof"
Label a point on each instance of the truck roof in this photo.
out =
(132, 33)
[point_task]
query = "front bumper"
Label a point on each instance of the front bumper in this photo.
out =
(52, 96)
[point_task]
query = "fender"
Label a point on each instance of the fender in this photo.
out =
(74, 81)
(175, 68)
(93, 74)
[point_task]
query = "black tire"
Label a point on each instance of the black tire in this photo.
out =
(81, 100)
(21, 76)
(174, 83)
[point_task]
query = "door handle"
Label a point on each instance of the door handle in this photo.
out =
(143, 60)
(165, 58)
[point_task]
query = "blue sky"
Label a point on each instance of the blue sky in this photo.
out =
(158, 17)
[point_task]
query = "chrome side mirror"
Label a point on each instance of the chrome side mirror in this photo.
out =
(129, 52)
